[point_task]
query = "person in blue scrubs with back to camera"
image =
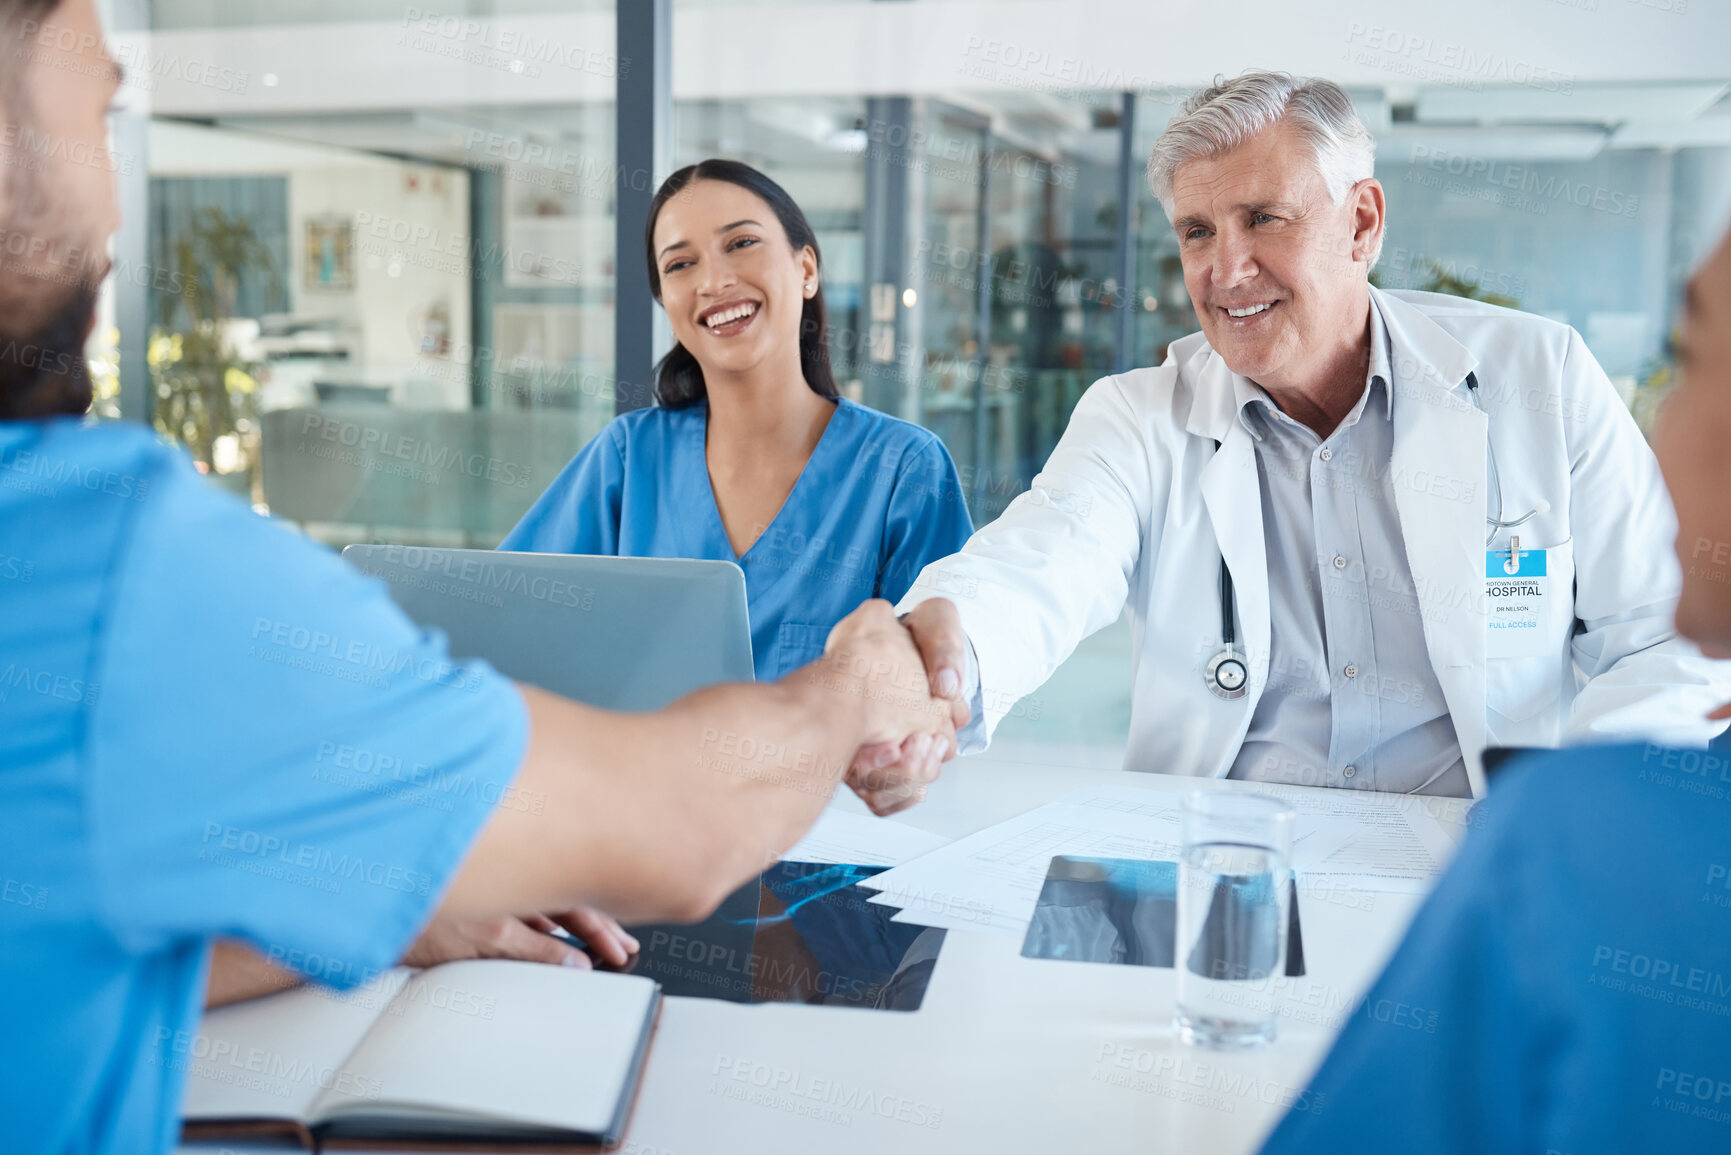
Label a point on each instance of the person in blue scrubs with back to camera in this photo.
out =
(750, 454)
(177, 672)
(1567, 988)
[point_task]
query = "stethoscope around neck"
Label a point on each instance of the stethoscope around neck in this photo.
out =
(1227, 674)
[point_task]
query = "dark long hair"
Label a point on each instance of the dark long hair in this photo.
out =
(678, 377)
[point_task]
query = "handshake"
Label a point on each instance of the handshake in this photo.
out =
(893, 687)
(908, 674)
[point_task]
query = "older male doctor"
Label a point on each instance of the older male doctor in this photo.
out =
(1360, 535)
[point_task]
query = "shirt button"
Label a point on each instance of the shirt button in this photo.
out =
(1351, 671)
(1339, 562)
(1349, 771)
(1327, 455)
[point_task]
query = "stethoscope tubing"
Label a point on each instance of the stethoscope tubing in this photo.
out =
(1231, 660)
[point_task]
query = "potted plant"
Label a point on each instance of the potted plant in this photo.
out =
(205, 391)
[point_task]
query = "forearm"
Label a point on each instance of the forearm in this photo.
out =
(661, 814)
(1060, 557)
(238, 973)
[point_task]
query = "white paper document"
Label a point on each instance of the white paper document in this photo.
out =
(862, 840)
(1397, 844)
(991, 880)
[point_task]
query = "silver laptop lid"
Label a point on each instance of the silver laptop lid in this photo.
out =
(624, 633)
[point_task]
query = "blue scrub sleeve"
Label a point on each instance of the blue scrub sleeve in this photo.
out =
(276, 753)
(1574, 963)
(579, 513)
(1440, 1057)
(927, 520)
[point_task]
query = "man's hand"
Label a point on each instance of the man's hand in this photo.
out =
(529, 939)
(659, 816)
(238, 973)
(893, 774)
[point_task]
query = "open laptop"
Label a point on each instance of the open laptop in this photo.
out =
(623, 633)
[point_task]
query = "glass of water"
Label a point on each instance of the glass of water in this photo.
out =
(1234, 896)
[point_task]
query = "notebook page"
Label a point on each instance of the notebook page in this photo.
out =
(511, 1041)
(270, 1058)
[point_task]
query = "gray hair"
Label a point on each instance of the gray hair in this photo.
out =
(1229, 112)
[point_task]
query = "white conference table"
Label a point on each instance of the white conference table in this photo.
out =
(1006, 1054)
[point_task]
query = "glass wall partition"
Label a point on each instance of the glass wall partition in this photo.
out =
(1590, 209)
(410, 321)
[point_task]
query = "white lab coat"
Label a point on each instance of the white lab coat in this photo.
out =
(1135, 509)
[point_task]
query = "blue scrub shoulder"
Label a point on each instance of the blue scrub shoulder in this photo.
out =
(871, 437)
(1565, 987)
(652, 428)
(881, 428)
(66, 449)
(101, 472)
(905, 460)
(657, 421)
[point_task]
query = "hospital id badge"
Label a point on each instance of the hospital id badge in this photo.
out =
(1516, 593)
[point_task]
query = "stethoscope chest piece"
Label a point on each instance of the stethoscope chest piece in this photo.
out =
(1227, 675)
(1228, 672)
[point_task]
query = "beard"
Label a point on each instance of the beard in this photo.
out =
(43, 372)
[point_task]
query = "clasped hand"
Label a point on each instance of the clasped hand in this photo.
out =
(912, 671)
(908, 674)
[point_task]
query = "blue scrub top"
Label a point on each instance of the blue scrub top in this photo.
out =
(209, 727)
(878, 500)
(1566, 988)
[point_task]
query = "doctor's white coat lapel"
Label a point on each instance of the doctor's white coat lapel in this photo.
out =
(1439, 456)
(1232, 493)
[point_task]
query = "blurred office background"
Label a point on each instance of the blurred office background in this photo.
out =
(368, 270)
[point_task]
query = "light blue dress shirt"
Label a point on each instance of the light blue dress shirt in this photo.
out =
(209, 727)
(1352, 700)
(876, 502)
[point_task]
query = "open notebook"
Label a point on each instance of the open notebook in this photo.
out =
(468, 1054)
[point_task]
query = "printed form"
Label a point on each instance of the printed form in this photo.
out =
(990, 881)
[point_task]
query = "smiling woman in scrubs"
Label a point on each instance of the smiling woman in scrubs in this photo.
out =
(750, 454)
